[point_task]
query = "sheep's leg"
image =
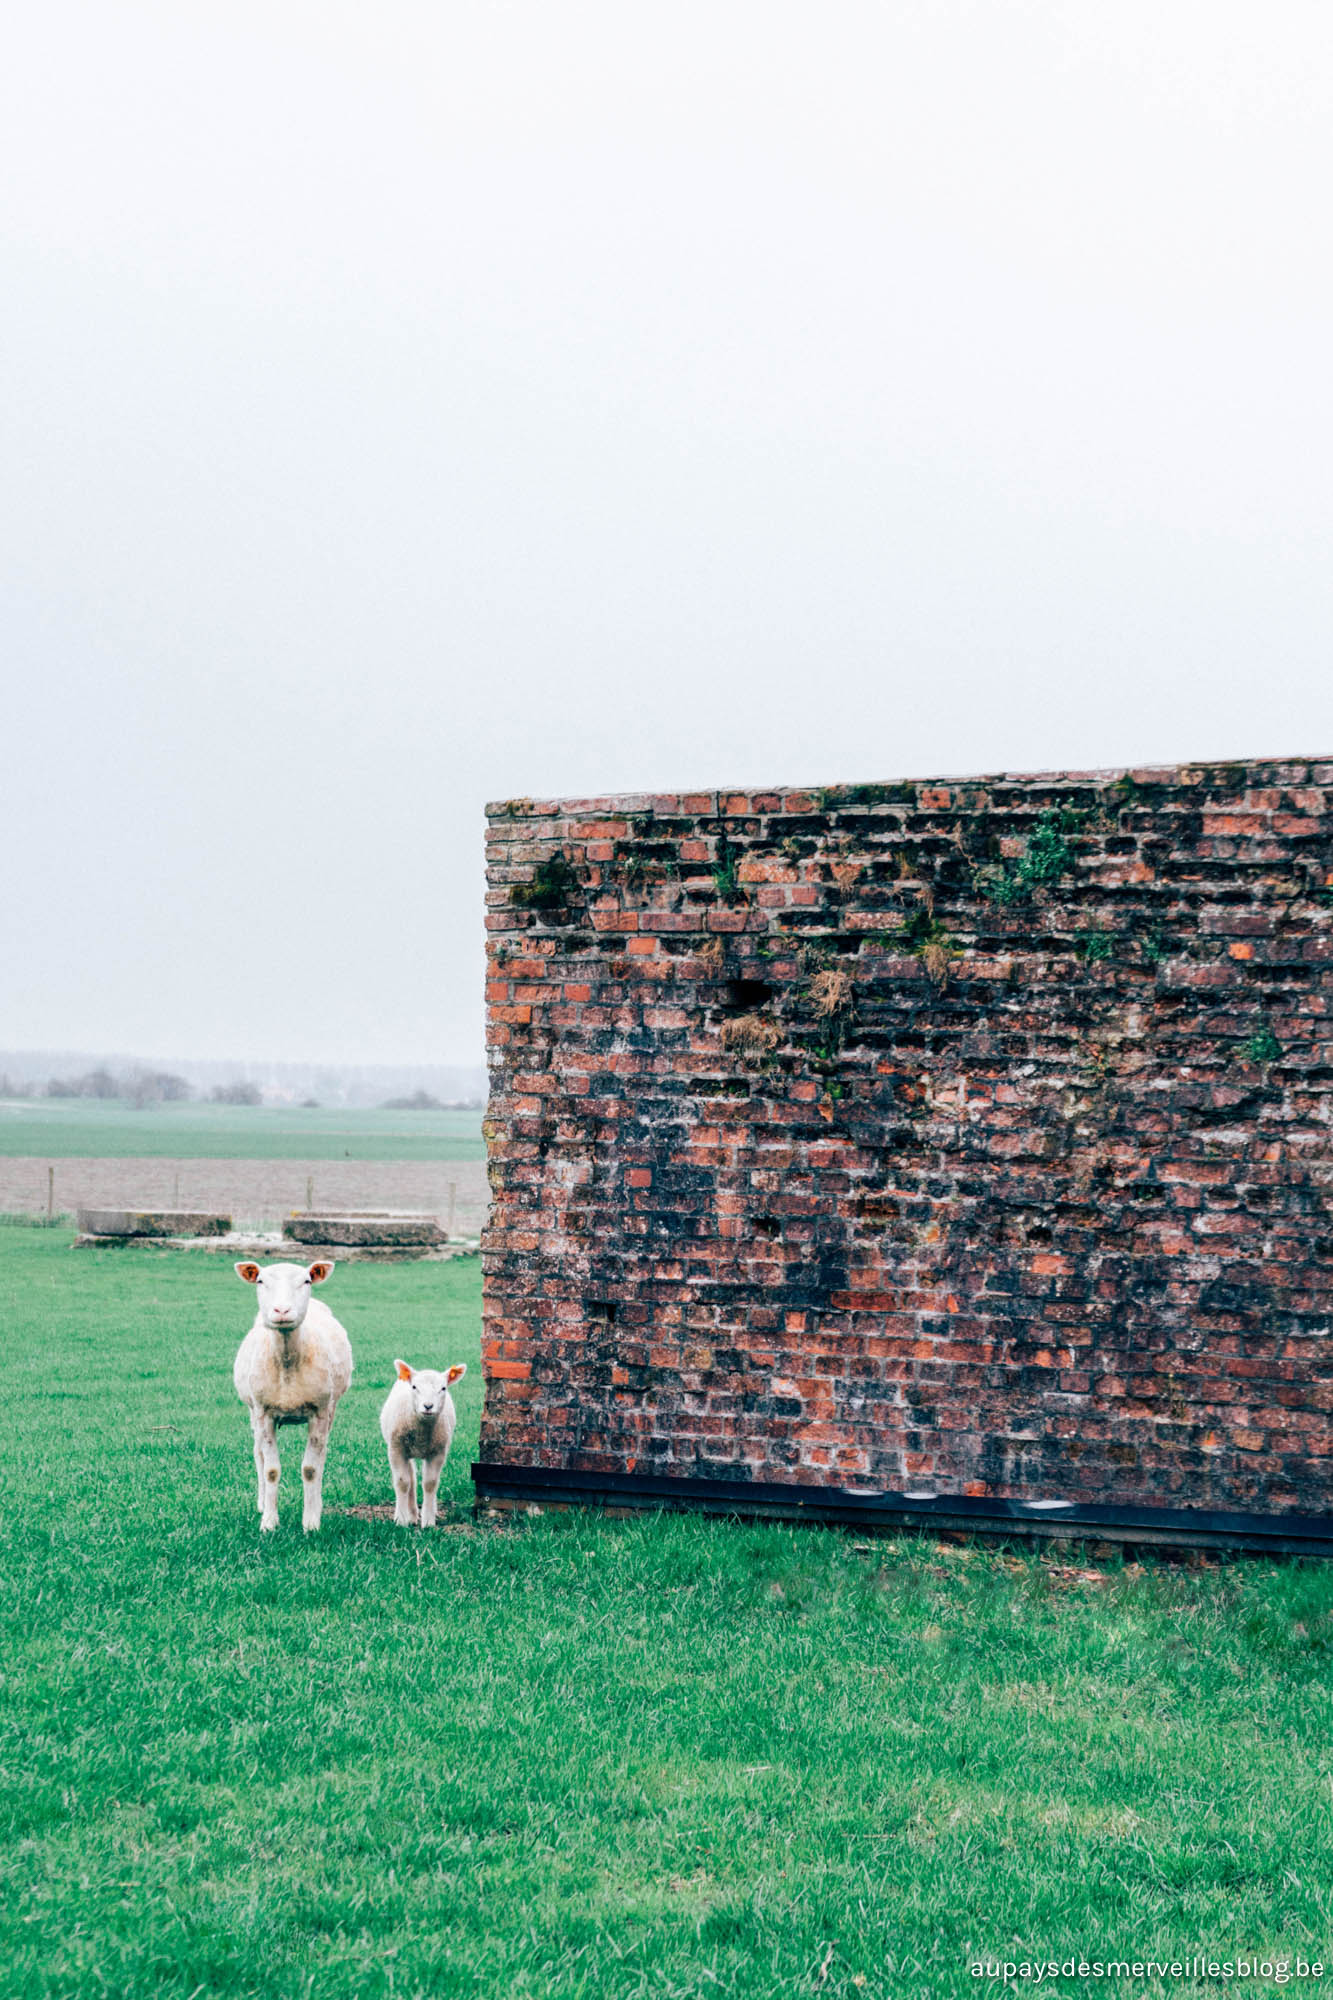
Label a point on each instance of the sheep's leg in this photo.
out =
(404, 1486)
(266, 1453)
(312, 1469)
(431, 1468)
(259, 1460)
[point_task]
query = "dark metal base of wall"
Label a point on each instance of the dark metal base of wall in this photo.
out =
(896, 1513)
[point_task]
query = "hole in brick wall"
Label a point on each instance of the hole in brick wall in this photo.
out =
(767, 1225)
(1275, 975)
(744, 995)
(601, 1310)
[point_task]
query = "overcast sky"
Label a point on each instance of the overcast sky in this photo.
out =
(409, 405)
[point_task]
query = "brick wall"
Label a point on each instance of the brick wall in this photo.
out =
(968, 1135)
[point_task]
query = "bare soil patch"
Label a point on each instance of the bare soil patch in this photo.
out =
(384, 1512)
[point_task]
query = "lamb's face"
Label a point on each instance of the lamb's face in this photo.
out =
(428, 1391)
(284, 1291)
(429, 1386)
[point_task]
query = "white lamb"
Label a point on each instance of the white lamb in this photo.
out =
(293, 1367)
(417, 1422)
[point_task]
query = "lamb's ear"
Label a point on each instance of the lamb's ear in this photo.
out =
(404, 1372)
(456, 1373)
(250, 1272)
(319, 1272)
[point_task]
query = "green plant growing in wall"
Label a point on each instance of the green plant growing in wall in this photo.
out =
(1049, 855)
(725, 880)
(829, 797)
(1152, 945)
(918, 930)
(1001, 885)
(1126, 794)
(1095, 946)
(553, 881)
(1046, 856)
(865, 795)
(1262, 1046)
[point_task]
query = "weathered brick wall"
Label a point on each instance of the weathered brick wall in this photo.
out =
(968, 1135)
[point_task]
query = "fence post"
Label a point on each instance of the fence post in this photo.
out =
(50, 1196)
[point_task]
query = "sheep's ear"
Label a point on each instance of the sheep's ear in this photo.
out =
(319, 1272)
(404, 1372)
(456, 1373)
(250, 1272)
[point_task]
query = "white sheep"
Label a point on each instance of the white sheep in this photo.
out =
(293, 1366)
(417, 1422)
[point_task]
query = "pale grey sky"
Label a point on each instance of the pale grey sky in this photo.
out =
(408, 405)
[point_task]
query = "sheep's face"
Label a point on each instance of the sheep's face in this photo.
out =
(284, 1291)
(429, 1386)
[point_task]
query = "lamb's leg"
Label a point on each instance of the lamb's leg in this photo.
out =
(312, 1468)
(404, 1486)
(266, 1450)
(431, 1468)
(259, 1460)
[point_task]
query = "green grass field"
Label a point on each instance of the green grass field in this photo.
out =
(63, 1128)
(578, 1756)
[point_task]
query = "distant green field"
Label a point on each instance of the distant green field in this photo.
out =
(65, 1128)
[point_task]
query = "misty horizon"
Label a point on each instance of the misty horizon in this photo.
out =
(348, 1084)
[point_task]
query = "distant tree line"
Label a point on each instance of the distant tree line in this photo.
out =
(421, 1100)
(144, 1087)
(140, 1087)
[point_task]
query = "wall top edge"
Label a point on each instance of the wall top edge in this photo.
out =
(789, 798)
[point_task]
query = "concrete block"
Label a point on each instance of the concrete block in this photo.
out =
(151, 1222)
(389, 1230)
